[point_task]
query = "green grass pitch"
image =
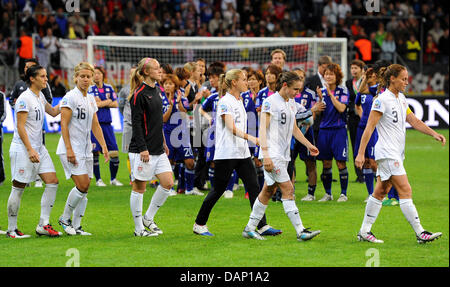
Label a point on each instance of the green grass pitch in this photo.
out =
(108, 217)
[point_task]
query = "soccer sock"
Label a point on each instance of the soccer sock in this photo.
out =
(72, 202)
(158, 199)
(211, 176)
(189, 175)
(311, 189)
(236, 177)
(368, 178)
(136, 200)
(409, 211)
(47, 201)
(260, 173)
(373, 208)
(231, 181)
(291, 210)
(96, 167)
(327, 179)
(256, 215)
(113, 167)
(393, 193)
(13, 207)
(181, 177)
(343, 178)
(176, 170)
(78, 212)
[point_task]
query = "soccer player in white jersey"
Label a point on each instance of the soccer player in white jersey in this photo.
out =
(389, 115)
(29, 157)
(78, 119)
(277, 126)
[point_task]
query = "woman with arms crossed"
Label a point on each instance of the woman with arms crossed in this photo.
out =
(389, 115)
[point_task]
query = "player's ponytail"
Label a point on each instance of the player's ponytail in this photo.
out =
(225, 80)
(385, 75)
(137, 77)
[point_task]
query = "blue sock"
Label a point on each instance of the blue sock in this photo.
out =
(327, 179)
(393, 193)
(211, 176)
(96, 167)
(369, 178)
(113, 167)
(343, 178)
(181, 177)
(231, 181)
(189, 175)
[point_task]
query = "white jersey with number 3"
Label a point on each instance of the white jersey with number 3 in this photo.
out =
(80, 125)
(282, 119)
(34, 105)
(229, 146)
(391, 127)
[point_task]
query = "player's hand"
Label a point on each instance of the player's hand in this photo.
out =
(314, 151)
(71, 157)
(440, 138)
(268, 164)
(319, 93)
(105, 153)
(178, 96)
(318, 107)
(33, 156)
(145, 156)
(166, 149)
(359, 161)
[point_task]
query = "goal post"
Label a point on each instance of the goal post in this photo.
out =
(118, 53)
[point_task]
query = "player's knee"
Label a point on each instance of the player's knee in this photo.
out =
(189, 163)
(83, 186)
(341, 164)
(114, 154)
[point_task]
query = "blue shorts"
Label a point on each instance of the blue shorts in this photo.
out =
(110, 138)
(301, 150)
(179, 150)
(332, 143)
(370, 149)
(209, 153)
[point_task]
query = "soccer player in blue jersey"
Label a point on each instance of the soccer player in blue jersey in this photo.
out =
(311, 102)
(332, 140)
(106, 99)
(363, 105)
(176, 130)
(270, 76)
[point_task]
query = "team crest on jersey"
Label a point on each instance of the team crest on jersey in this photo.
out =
(266, 106)
(21, 171)
(140, 168)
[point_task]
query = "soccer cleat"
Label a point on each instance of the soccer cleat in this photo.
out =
(67, 227)
(268, 230)
(369, 237)
(426, 236)
(326, 197)
(100, 183)
(80, 231)
(17, 234)
(38, 183)
(151, 225)
(145, 233)
(306, 235)
(251, 234)
(172, 192)
(115, 182)
(342, 198)
(47, 230)
(308, 197)
(228, 194)
(202, 230)
(195, 191)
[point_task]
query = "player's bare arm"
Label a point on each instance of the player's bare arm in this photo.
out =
(97, 131)
(374, 118)
(21, 120)
(423, 128)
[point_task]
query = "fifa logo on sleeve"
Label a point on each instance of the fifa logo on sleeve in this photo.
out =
(373, 6)
(72, 5)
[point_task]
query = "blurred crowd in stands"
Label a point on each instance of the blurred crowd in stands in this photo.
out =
(396, 30)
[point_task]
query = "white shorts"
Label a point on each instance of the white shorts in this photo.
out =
(388, 167)
(84, 166)
(145, 171)
(25, 171)
(278, 174)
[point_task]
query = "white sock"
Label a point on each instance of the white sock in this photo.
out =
(409, 211)
(373, 208)
(47, 201)
(158, 199)
(291, 210)
(72, 202)
(78, 212)
(136, 200)
(257, 213)
(13, 207)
